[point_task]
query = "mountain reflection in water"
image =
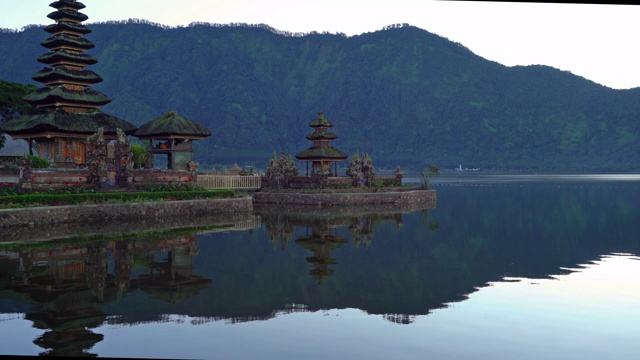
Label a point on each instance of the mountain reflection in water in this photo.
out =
(398, 264)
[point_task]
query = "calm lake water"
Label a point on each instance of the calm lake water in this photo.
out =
(501, 267)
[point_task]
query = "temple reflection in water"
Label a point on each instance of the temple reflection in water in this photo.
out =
(69, 292)
(321, 233)
(71, 285)
(70, 280)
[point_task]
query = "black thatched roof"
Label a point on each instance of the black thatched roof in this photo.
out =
(64, 40)
(321, 136)
(13, 147)
(47, 95)
(67, 14)
(67, 3)
(321, 121)
(321, 153)
(67, 57)
(61, 26)
(60, 73)
(65, 122)
(172, 125)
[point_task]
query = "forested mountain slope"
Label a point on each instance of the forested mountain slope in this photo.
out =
(404, 95)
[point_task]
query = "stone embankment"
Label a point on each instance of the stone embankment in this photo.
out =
(123, 212)
(405, 198)
(127, 212)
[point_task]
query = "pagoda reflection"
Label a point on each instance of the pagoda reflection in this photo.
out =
(169, 274)
(322, 231)
(321, 241)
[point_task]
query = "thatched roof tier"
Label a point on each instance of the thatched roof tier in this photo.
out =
(59, 94)
(321, 121)
(13, 147)
(326, 153)
(65, 57)
(321, 136)
(65, 41)
(70, 4)
(60, 121)
(67, 15)
(65, 26)
(60, 75)
(172, 125)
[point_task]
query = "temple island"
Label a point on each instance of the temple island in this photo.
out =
(84, 146)
(321, 186)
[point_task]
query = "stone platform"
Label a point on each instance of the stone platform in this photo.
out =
(338, 199)
(121, 212)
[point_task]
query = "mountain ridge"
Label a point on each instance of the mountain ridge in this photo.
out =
(406, 96)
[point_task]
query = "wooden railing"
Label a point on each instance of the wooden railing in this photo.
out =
(254, 222)
(229, 181)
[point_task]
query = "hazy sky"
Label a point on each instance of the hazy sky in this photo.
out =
(598, 42)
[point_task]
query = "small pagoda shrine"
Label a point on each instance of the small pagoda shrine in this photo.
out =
(321, 154)
(172, 135)
(67, 108)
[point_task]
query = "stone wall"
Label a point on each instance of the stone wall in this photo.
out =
(9, 176)
(55, 178)
(319, 182)
(226, 222)
(346, 199)
(38, 179)
(338, 182)
(121, 212)
(158, 176)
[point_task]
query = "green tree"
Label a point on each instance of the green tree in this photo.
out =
(427, 174)
(37, 162)
(354, 168)
(11, 103)
(140, 154)
(361, 170)
(281, 169)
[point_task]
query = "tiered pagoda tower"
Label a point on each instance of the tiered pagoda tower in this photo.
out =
(321, 154)
(67, 109)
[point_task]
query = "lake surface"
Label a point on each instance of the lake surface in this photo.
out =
(501, 267)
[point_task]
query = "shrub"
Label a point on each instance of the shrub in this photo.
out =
(8, 189)
(37, 162)
(281, 170)
(171, 186)
(139, 155)
(427, 174)
(361, 170)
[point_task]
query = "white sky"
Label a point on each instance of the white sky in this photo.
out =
(595, 41)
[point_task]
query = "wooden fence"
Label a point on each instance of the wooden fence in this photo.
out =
(253, 223)
(229, 181)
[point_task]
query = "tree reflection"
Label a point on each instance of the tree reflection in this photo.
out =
(280, 230)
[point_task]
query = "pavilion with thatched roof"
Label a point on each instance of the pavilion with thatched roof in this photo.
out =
(321, 155)
(171, 136)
